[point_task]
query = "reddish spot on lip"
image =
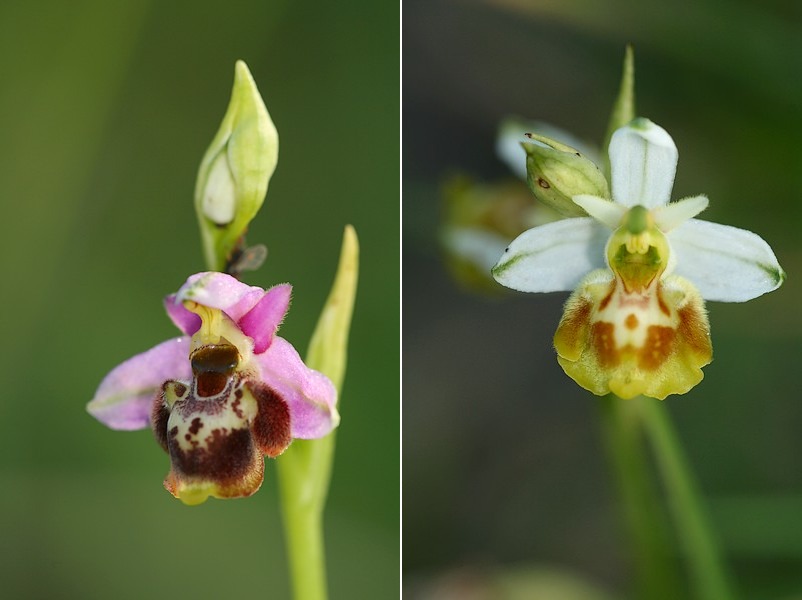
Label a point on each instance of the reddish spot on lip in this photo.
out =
(195, 426)
(602, 336)
(658, 347)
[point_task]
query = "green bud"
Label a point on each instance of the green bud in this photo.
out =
(624, 106)
(235, 171)
(556, 173)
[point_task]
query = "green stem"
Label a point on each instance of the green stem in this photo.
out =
(656, 570)
(303, 473)
(707, 570)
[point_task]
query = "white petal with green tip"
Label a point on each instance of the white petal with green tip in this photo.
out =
(553, 257)
(674, 214)
(643, 161)
(725, 263)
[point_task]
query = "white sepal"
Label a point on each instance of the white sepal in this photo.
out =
(478, 246)
(508, 146)
(643, 162)
(553, 257)
(725, 263)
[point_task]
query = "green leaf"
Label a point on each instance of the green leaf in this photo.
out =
(329, 344)
(304, 470)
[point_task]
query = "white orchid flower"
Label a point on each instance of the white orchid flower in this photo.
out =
(640, 268)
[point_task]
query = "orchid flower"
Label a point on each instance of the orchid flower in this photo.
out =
(226, 393)
(640, 267)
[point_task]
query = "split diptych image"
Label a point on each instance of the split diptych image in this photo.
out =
(490, 300)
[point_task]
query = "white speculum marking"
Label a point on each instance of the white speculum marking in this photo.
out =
(632, 313)
(195, 419)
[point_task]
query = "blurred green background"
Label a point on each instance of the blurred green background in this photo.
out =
(106, 109)
(503, 462)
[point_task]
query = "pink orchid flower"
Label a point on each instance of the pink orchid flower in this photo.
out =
(226, 393)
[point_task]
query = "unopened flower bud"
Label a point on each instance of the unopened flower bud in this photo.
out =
(235, 171)
(556, 173)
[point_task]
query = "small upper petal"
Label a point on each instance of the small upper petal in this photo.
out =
(603, 210)
(553, 257)
(261, 322)
(310, 395)
(125, 396)
(643, 162)
(725, 263)
(674, 214)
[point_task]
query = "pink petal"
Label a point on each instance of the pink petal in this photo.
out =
(188, 322)
(310, 395)
(125, 396)
(262, 321)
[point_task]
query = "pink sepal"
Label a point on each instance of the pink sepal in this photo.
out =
(125, 396)
(310, 395)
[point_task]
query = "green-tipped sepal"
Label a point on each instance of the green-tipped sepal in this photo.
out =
(556, 173)
(235, 171)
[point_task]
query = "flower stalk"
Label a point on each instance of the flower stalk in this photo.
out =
(304, 470)
(708, 573)
(631, 427)
(656, 570)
